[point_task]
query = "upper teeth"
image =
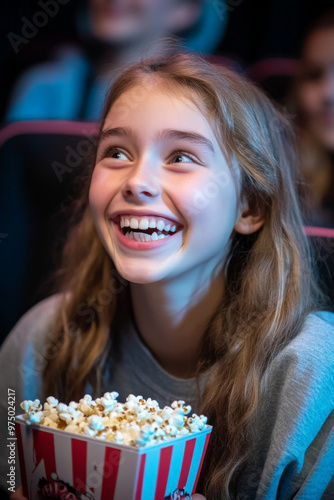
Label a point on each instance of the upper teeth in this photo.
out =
(145, 223)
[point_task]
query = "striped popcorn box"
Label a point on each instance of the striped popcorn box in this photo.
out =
(61, 465)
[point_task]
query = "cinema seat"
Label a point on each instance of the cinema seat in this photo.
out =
(39, 162)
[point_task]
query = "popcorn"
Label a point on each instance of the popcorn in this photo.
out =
(34, 417)
(93, 426)
(32, 406)
(197, 423)
(158, 452)
(109, 401)
(51, 403)
(137, 422)
(33, 411)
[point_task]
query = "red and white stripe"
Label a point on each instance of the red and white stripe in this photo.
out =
(105, 471)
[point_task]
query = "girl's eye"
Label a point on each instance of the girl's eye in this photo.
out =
(115, 153)
(118, 155)
(181, 158)
(312, 75)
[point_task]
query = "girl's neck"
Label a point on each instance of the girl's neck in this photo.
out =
(172, 317)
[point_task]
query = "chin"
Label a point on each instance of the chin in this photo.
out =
(140, 280)
(140, 277)
(110, 32)
(323, 135)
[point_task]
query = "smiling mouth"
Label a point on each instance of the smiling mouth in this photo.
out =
(146, 229)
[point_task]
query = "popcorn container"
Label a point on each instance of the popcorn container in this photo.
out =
(61, 465)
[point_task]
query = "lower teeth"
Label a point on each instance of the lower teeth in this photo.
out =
(143, 237)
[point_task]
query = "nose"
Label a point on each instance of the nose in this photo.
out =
(142, 182)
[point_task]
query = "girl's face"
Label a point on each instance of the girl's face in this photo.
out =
(162, 196)
(316, 90)
(129, 21)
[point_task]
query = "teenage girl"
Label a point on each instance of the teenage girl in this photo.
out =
(188, 276)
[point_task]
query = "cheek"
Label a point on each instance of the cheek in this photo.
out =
(309, 98)
(100, 191)
(211, 202)
(94, 192)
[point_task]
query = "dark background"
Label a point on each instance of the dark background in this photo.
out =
(256, 29)
(59, 28)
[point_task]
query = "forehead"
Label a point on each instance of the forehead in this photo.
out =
(155, 105)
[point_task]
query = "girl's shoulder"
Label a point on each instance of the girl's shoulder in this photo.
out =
(294, 424)
(315, 341)
(306, 364)
(26, 349)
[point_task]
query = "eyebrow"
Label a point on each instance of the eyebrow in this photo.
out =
(166, 134)
(116, 132)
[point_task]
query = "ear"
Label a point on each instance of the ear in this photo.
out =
(250, 220)
(183, 15)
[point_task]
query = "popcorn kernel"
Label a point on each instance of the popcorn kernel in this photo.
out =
(137, 422)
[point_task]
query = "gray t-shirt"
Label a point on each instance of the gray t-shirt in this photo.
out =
(293, 457)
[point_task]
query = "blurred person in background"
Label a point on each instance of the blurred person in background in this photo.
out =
(313, 105)
(114, 32)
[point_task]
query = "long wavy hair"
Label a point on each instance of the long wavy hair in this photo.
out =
(269, 286)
